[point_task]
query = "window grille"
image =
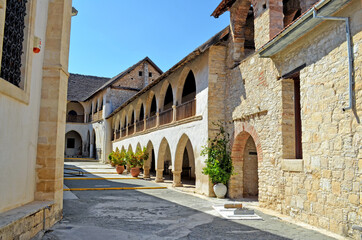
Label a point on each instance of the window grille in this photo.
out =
(13, 41)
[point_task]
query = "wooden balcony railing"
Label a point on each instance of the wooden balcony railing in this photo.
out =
(124, 132)
(186, 110)
(166, 116)
(97, 116)
(90, 118)
(118, 134)
(151, 122)
(140, 126)
(75, 118)
(130, 129)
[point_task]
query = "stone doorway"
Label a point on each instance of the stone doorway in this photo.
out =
(250, 169)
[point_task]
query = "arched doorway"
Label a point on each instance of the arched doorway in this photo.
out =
(75, 112)
(164, 161)
(150, 165)
(184, 170)
(246, 155)
(73, 144)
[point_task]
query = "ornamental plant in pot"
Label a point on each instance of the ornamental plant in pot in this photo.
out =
(219, 165)
(136, 160)
(118, 159)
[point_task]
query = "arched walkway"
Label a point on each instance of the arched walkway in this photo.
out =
(94, 145)
(184, 162)
(150, 165)
(246, 155)
(73, 144)
(164, 160)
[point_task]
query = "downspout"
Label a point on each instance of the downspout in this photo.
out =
(350, 56)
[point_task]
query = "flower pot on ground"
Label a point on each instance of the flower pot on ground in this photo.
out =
(219, 165)
(120, 169)
(135, 171)
(118, 159)
(136, 160)
(220, 190)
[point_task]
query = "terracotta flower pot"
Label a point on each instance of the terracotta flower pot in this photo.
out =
(119, 169)
(135, 171)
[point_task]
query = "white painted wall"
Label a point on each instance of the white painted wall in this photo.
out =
(19, 131)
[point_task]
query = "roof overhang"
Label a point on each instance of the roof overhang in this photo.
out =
(300, 27)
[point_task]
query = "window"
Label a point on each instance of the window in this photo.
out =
(149, 74)
(72, 113)
(13, 41)
(140, 73)
(71, 143)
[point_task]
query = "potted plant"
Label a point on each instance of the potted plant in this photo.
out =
(219, 165)
(118, 159)
(136, 160)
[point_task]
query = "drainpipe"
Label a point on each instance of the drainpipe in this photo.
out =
(350, 56)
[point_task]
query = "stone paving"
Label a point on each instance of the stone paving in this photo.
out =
(156, 214)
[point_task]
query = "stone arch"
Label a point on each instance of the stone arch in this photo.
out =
(130, 115)
(129, 148)
(151, 104)
(163, 160)
(166, 96)
(140, 110)
(243, 132)
(150, 165)
(73, 144)
(181, 82)
(184, 151)
(75, 112)
(138, 146)
(188, 91)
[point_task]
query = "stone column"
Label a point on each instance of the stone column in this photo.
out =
(51, 132)
(176, 179)
(173, 113)
(159, 175)
(144, 123)
(146, 172)
(157, 119)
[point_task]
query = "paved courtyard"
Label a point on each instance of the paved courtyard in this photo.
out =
(140, 209)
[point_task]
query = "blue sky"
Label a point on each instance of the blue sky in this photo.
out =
(108, 36)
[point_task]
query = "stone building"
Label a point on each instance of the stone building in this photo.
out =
(33, 86)
(286, 82)
(91, 99)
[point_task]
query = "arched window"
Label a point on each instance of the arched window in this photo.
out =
(72, 113)
(125, 122)
(96, 107)
(142, 113)
(189, 90)
(168, 99)
(153, 109)
(132, 118)
(291, 11)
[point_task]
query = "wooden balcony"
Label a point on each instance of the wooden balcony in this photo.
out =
(151, 122)
(166, 116)
(124, 132)
(140, 126)
(130, 129)
(98, 116)
(118, 134)
(75, 118)
(186, 110)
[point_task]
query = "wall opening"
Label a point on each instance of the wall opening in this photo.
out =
(142, 113)
(168, 99)
(250, 169)
(291, 10)
(189, 89)
(153, 109)
(73, 144)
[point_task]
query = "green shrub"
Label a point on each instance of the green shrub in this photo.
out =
(219, 165)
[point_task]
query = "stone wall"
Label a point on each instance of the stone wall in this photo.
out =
(324, 188)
